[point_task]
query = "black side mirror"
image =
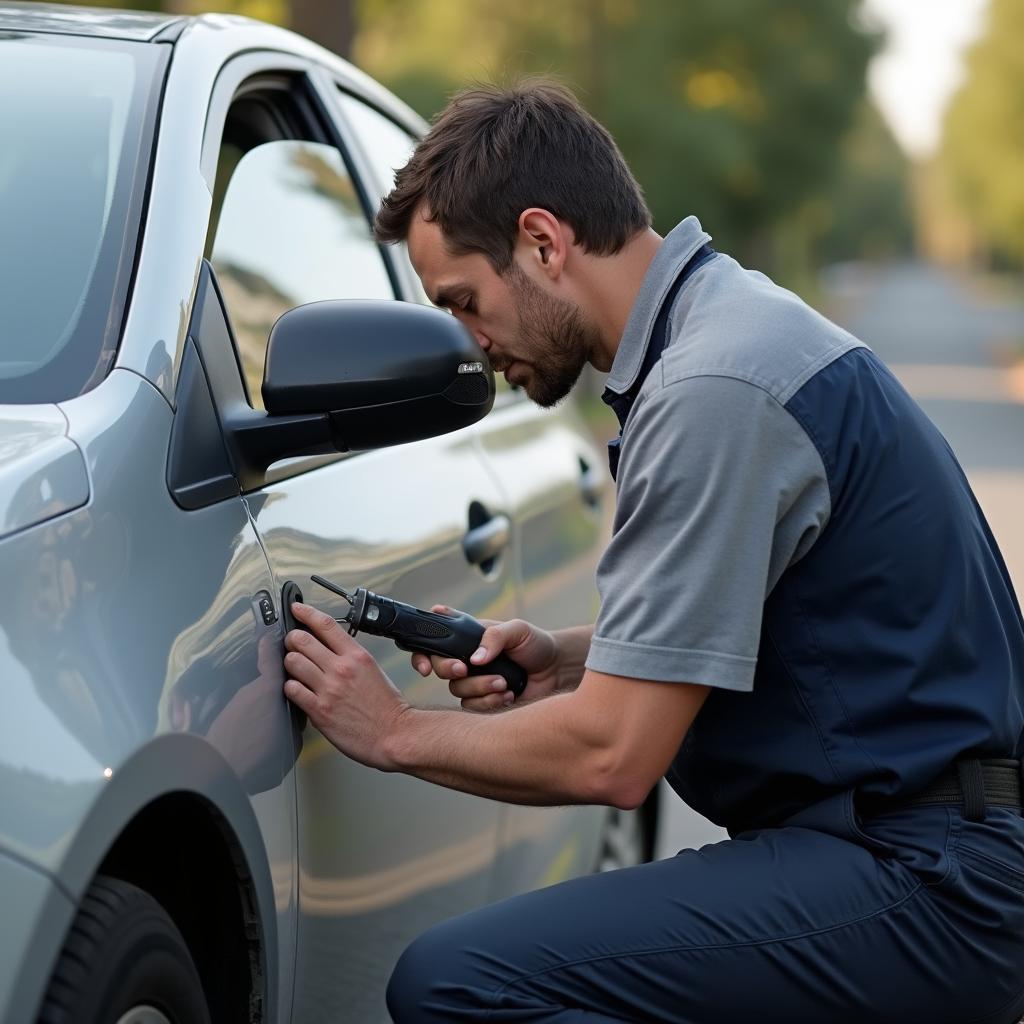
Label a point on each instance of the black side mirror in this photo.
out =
(349, 375)
(383, 372)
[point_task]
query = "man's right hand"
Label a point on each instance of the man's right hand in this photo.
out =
(536, 650)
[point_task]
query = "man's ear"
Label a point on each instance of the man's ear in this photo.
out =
(544, 240)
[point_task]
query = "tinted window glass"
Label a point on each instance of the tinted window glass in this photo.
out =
(72, 116)
(387, 145)
(291, 230)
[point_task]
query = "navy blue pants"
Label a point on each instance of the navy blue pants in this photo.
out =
(914, 916)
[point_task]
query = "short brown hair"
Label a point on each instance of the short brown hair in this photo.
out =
(494, 152)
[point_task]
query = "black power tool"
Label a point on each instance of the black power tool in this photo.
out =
(451, 636)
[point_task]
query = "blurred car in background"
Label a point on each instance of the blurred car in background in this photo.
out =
(173, 846)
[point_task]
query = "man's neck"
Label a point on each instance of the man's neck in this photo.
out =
(613, 283)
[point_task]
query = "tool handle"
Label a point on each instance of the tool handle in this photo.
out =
(451, 636)
(502, 665)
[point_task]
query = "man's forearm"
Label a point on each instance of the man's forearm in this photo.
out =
(543, 754)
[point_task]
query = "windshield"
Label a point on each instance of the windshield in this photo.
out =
(75, 115)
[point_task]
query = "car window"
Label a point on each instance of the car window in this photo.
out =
(75, 120)
(291, 229)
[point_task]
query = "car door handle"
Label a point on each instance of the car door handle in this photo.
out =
(591, 484)
(485, 542)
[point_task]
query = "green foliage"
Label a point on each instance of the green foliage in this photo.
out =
(732, 110)
(136, 5)
(870, 211)
(275, 11)
(984, 130)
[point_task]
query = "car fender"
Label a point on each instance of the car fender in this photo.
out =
(170, 763)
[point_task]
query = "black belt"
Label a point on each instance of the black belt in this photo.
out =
(975, 784)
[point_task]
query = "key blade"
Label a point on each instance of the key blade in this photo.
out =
(332, 587)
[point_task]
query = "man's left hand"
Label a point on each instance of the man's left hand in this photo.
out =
(342, 689)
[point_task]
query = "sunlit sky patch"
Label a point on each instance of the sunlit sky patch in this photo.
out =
(917, 72)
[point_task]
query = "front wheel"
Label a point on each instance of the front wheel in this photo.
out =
(124, 962)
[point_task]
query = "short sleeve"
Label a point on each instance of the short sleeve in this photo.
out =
(719, 490)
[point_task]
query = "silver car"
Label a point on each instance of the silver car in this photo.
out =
(174, 844)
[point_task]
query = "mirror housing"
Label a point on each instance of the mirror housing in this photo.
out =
(383, 372)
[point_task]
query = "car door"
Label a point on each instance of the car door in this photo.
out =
(554, 484)
(555, 487)
(381, 857)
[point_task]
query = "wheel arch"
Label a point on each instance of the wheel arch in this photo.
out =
(174, 820)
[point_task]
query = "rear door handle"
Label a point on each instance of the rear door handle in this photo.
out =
(485, 542)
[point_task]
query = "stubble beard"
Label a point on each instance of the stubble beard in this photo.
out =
(557, 337)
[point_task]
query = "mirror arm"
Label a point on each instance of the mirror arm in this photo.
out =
(257, 440)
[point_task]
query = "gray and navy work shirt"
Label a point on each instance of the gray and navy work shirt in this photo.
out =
(794, 532)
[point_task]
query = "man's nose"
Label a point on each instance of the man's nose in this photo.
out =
(467, 321)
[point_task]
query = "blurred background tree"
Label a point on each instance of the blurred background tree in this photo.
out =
(983, 146)
(751, 114)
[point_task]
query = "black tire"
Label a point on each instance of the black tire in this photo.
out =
(123, 953)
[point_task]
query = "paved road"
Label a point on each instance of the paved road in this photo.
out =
(947, 339)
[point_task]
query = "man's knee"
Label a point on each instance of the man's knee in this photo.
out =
(429, 983)
(410, 982)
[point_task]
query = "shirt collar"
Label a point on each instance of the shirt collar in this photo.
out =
(675, 250)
